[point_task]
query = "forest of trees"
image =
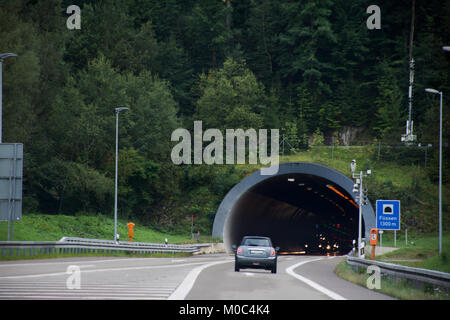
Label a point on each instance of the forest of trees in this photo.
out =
(309, 67)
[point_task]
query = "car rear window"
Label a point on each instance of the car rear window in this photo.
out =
(256, 242)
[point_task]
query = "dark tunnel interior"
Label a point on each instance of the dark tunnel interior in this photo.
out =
(301, 213)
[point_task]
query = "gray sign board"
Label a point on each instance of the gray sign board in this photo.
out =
(11, 173)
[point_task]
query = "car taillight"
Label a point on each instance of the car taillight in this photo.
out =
(272, 252)
(239, 250)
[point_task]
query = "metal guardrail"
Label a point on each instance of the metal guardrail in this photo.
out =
(69, 245)
(416, 274)
(127, 243)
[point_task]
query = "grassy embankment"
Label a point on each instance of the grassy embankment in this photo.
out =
(420, 252)
(41, 227)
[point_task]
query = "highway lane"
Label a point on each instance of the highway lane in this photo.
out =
(203, 277)
(221, 282)
(99, 277)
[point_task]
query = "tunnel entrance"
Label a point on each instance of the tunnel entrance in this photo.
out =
(305, 208)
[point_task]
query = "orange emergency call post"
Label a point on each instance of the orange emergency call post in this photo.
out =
(373, 241)
(130, 226)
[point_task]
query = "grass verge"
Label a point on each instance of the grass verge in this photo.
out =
(41, 227)
(44, 227)
(420, 252)
(401, 289)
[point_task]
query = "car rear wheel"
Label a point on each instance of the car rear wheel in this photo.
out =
(274, 268)
(236, 267)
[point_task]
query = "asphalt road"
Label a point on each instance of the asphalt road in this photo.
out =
(210, 277)
(309, 278)
(99, 277)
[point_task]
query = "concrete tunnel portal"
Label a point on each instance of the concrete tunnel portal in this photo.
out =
(304, 208)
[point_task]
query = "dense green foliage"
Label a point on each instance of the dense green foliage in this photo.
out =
(310, 68)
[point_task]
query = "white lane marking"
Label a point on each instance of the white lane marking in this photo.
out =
(80, 262)
(185, 287)
(39, 297)
(315, 285)
(101, 270)
(68, 262)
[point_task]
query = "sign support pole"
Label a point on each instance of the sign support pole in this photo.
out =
(395, 238)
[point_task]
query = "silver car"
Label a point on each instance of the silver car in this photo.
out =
(256, 252)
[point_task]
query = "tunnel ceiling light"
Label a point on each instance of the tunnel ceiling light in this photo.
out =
(291, 179)
(354, 203)
(301, 184)
(337, 191)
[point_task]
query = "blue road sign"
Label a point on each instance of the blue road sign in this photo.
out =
(388, 214)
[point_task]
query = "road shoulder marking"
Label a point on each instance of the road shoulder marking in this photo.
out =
(315, 285)
(185, 287)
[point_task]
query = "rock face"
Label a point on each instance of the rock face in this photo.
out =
(348, 134)
(213, 248)
(344, 136)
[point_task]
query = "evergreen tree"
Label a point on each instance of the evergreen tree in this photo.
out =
(389, 117)
(230, 97)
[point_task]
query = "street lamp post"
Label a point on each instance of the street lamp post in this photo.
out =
(3, 56)
(361, 201)
(429, 90)
(118, 110)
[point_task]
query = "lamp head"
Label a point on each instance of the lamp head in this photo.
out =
(121, 109)
(4, 56)
(429, 90)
